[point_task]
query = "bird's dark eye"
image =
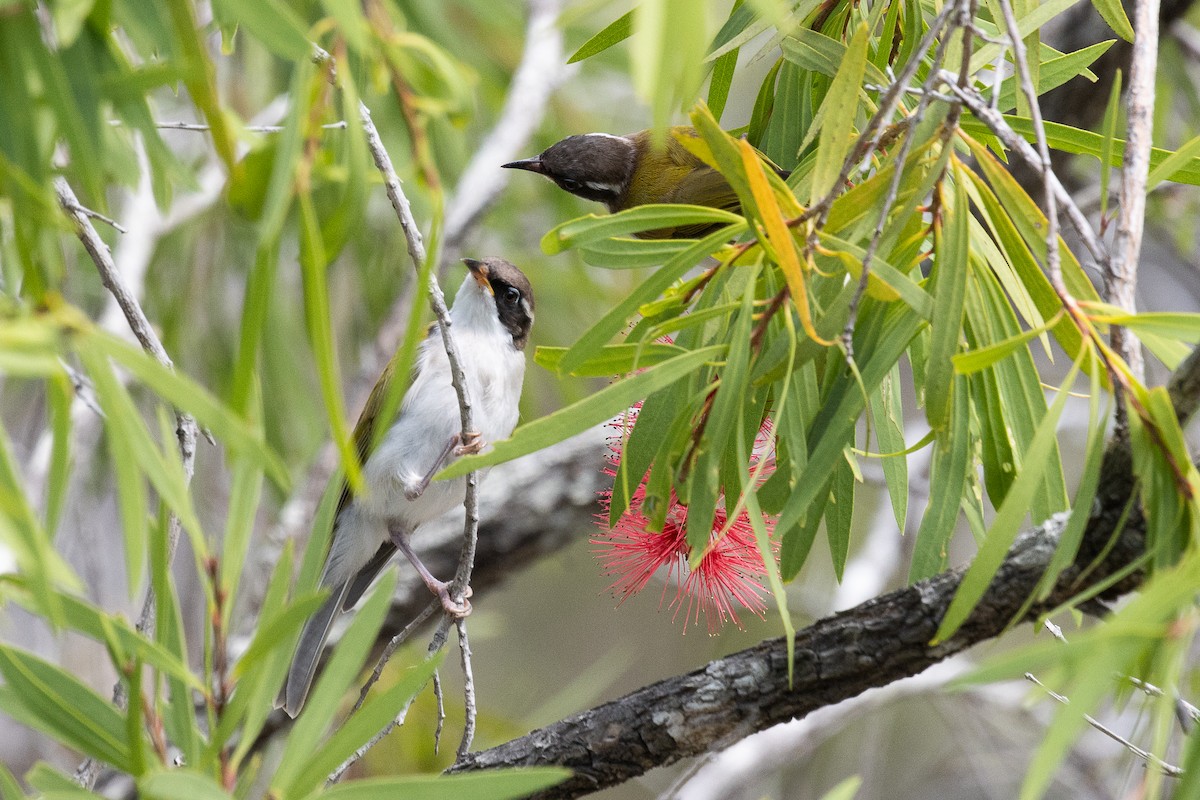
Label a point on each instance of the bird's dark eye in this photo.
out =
(512, 296)
(569, 184)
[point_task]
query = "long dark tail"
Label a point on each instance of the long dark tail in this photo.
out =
(308, 651)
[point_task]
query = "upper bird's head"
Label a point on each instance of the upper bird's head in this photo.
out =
(594, 166)
(496, 291)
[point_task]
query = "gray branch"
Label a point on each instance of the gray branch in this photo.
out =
(185, 426)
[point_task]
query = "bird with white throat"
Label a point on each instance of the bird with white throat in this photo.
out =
(490, 321)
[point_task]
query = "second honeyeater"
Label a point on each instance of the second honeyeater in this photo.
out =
(627, 171)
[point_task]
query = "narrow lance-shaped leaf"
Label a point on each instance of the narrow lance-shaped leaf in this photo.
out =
(951, 269)
(582, 415)
(1009, 516)
(947, 485)
(313, 260)
(839, 110)
(63, 707)
(614, 33)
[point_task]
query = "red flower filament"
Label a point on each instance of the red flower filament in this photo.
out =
(730, 572)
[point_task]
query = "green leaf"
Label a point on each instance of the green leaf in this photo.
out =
(351, 22)
(1027, 24)
(947, 484)
(490, 785)
(252, 703)
(22, 534)
(743, 24)
(1009, 516)
(1182, 326)
(1081, 142)
(163, 471)
(59, 704)
(846, 790)
(585, 413)
(878, 347)
(839, 515)
(892, 278)
(721, 79)
(596, 227)
(1173, 163)
(313, 261)
(976, 360)
(616, 32)
(356, 731)
(304, 743)
(9, 788)
(275, 631)
(184, 393)
(59, 395)
(722, 418)
(180, 785)
(613, 359)
(839, 110)
(82, 616)
(666, 54)
(611, 323)
(887, 414)
(813, 51)
(791, 117)
(621, 253)
(271, 22)
(950, 271)
(1053, 73)
(1108, 129)
(638, 447)
(1114, 14)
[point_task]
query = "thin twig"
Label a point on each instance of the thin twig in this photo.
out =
(396, 722)
(1020, 60)
(1186, 713)
(981, 108)
(437, 301)
(869, 139)
(386, 655)
(439, 699)
(1145, 755)
(78, 208)
(185, 426)
(889, 201)
(200, 127)
(464, 647)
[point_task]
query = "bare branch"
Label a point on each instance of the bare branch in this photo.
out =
(1131, 222)
(540, 72)
(1145, 755)
(185, 426)
(1020, 59)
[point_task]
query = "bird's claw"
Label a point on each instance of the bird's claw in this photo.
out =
(456, 609)
(469, 444)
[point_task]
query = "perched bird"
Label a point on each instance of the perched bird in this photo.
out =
(491, 318)
(627, 171)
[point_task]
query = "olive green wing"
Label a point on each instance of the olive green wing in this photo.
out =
(364, 429)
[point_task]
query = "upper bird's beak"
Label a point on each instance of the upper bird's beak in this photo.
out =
(479, 271)
(530, 164)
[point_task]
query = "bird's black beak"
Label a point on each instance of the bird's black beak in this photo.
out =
(479, 271)
(528, 164)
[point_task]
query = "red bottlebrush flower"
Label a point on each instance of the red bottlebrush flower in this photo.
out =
(730, 571)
